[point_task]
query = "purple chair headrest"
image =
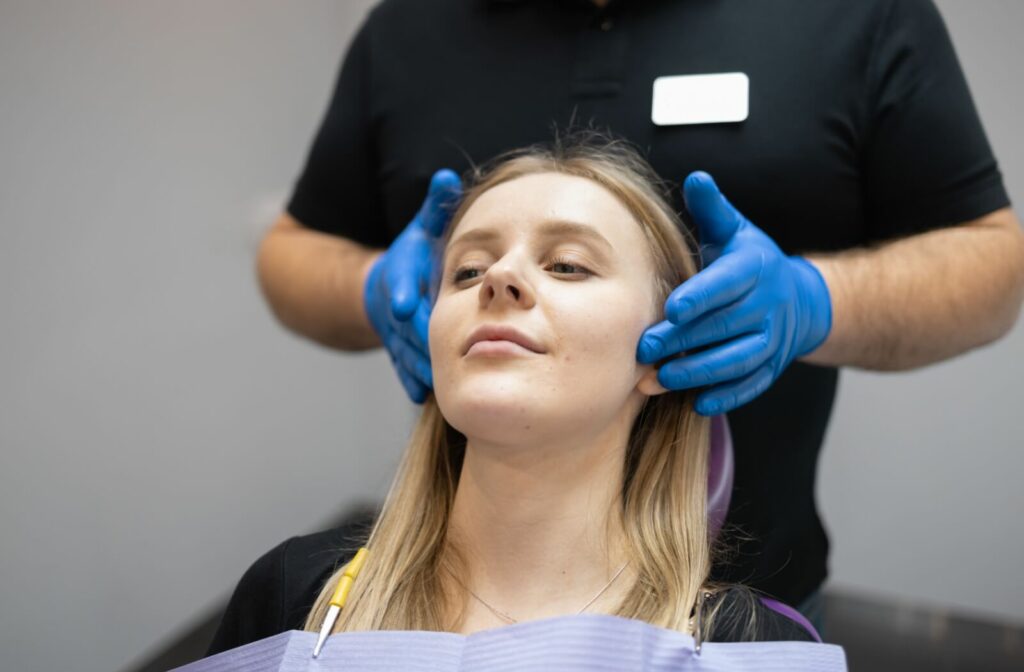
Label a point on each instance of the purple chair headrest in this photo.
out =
(720, 473)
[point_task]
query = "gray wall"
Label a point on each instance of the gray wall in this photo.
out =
(158, 429)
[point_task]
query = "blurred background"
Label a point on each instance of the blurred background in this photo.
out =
(159, 430)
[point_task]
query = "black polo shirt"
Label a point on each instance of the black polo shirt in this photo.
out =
(861, 128)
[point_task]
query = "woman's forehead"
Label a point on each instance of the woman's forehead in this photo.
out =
(546, 203)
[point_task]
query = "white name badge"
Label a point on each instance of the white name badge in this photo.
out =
(701, 99)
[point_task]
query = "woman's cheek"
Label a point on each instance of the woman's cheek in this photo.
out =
(439, 331)
(604, 335)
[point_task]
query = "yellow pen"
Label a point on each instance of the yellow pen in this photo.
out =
(348, 577)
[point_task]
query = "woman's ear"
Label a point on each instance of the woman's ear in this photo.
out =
(648, 384)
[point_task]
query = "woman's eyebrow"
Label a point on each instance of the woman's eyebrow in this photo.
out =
(555, 228)
(552, 228)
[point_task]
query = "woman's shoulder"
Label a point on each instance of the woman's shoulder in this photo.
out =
(738, 614)
(277, 591)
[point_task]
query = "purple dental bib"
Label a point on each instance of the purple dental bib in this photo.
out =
(587, 642)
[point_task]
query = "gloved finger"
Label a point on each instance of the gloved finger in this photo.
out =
(717, 365)
(655, 343)
(725, 398)
(717, 220)
(413, 331)
(721, 283)
(442, 195)
(411, 360)
(421, 326)
(375, 294)
(417, 393)
(666, 339)
(404, 273)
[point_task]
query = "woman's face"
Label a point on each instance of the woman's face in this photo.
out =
(561, 261)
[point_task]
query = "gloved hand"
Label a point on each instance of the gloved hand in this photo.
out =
(762, 307)
(397, 287)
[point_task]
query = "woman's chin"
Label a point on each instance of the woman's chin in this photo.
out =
(502, 414)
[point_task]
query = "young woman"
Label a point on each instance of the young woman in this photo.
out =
(549, 474)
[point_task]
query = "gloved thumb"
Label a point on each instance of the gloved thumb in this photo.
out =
(717, 220)
(444, 192)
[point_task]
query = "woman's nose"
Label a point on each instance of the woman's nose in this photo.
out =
(505, 283)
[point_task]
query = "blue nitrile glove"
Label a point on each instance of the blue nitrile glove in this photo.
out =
(396, 291)
(761, 307)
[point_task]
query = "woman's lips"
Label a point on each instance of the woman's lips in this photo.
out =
(498, 349)
(502, 332)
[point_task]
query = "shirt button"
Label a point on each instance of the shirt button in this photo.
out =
(606, 25)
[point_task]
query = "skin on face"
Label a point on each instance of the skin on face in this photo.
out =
(585, 299)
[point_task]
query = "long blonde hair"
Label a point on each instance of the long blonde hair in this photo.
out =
(664, 488)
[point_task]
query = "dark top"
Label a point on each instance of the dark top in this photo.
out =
(861, 128)
(277, 592)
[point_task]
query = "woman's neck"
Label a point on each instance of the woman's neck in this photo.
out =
(538, 527)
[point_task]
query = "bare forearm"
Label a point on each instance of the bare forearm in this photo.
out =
(313, 283)
(922, 299)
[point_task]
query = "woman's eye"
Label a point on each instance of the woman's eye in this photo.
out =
(559, 265)
(459, 274)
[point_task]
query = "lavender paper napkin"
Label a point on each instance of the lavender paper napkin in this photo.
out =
(589, 642)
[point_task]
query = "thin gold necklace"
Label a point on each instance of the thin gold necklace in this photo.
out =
(508, 619)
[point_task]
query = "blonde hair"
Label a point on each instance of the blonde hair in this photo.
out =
(664, 488)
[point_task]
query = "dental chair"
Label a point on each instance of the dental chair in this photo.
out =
(720, 480)
(720, 473)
